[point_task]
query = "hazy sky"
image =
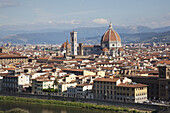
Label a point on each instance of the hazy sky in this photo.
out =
(85, 13)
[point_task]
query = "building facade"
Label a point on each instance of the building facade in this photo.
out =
(119, 89)
(12, 59)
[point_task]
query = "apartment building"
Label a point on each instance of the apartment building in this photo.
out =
(5, 59)
(15, 82)
(131, 92)
(119, 89)
(82, 90)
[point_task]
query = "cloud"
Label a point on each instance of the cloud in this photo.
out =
(74, 22)
(69, 22)
(50, 22)
(8, 3)
(100, 21)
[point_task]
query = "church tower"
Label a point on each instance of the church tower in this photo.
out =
(73, 36)
(67, 48)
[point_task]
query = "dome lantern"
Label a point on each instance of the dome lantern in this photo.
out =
(110, 26)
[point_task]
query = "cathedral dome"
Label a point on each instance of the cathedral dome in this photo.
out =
(64, 45)
(110, 35)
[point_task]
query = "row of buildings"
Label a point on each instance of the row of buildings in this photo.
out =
(79, 83)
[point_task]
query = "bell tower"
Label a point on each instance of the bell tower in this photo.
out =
(67, 47)
(73, 36)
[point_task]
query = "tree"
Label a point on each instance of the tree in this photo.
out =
(55, 82)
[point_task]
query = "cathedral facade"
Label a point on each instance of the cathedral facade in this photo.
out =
(110, 45)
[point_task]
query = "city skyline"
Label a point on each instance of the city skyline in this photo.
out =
(84, 13)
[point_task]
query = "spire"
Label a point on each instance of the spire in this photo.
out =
(67, 48)
(110, 25)
(67, 40)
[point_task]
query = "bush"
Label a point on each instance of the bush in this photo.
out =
(49, 90)
(17, 110)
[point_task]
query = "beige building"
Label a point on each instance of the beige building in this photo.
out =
(83, 72)
(131, 92)
(5, 59)
(4, 50)
(119, 89)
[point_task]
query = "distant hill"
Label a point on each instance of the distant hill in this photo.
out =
(88, 35)
(132, 38)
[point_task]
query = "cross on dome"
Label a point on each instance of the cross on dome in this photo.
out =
(110, 25)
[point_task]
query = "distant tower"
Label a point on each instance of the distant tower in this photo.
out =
(73, 36)
(81, 49)
(67, 48)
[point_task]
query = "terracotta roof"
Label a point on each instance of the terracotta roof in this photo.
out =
(131, 85)
(42, 58)
(164, 62)
(107, 79)
(12, 56)
(72, 70)
(8, 68)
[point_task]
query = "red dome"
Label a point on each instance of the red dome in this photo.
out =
(64, 45)
(110, 35)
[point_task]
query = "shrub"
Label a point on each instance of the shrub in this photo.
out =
(17, 110)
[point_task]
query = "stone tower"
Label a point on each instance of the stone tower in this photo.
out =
(73, 36)
(81, 49)
(67, 48)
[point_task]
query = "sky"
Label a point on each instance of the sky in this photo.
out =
(63, 14)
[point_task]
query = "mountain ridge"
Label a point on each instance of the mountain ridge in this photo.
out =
(84, 33)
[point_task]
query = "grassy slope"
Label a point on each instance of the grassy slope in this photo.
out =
(67, 103)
